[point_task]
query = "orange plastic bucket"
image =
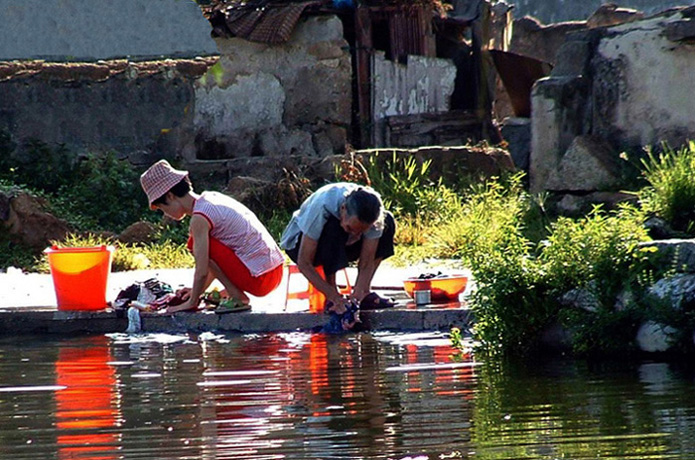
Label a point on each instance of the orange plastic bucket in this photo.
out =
(80, 276)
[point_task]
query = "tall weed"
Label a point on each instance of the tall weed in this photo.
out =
(593, 249)
(489, 218)
(418, 203)
(671, 190)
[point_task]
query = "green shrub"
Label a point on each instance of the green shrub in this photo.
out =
(671, 191)
(38, 166)
(510, 304)
(520, 281)
(104, 194)
(599, 253)
(593, 249)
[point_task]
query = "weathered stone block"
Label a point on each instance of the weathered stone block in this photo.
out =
(319, 93)
(139, 232)
(517, 133)
(572, 59)
(590, 164)
(653, 337)
(580, 204)
(281, 141)
(249, 102)
(676, 253)
(680, 31)
(558, 114)
(25, 219)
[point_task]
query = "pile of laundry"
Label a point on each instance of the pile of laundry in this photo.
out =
(149, 295)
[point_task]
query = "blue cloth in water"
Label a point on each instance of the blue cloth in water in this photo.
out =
(339, 323)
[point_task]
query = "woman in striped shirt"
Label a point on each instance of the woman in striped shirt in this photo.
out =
(227, 240)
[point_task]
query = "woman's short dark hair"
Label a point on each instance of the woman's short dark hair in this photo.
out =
(366, 204)
(182, 188)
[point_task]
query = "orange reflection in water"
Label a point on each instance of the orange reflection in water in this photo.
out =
(445, 378)
(414, 379)
(85, 409)
(318, 363)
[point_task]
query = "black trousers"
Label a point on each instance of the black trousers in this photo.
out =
(332, 254)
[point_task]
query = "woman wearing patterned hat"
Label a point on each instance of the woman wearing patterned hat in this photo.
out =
(227, 240)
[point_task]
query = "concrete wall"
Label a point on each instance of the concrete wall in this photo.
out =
(114, 105)
(81, 30)
(653, 99)
(254, 101)
(550, 11)
(276, 100)
(629, 84)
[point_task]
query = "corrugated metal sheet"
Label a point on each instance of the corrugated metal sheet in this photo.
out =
(263, 21)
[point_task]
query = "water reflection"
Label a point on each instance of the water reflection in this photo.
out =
(296, 396)
(86, 406)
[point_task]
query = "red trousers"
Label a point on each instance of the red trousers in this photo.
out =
(238, 273)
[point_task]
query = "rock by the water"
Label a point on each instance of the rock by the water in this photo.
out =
(654, 337)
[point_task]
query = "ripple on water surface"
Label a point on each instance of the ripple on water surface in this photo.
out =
(297, 396)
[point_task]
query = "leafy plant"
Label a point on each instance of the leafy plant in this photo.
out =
(418, 203)
(511, 303)
(593, 249)
(92, 192)
(491, 217)
(671, 191)
(104, 194)
(400, 181)
(38, 166)
(519, 280)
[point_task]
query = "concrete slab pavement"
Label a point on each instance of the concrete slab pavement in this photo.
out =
(28, 305)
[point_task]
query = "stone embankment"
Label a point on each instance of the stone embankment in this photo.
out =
(28, 306)
(674, 293)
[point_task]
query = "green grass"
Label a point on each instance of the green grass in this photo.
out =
(671, 190)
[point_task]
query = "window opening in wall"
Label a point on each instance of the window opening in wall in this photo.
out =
(381, 37)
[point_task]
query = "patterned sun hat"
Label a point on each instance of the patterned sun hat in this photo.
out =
(159, 179)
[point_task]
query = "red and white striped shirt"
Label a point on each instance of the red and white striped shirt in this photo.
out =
(237, 227)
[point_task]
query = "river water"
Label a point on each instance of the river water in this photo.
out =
(304, 396)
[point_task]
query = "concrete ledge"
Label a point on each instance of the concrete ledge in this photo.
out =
(51, 321)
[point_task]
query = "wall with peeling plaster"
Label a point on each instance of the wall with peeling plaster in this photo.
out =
(551, 11)
(133, 108)
(654, 100)
(263, 100)
(630, 84)
(80, 30)
(422, 85)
